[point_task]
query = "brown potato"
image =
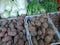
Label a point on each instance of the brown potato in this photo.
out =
(48, 38)
(38, 37)
(16, 38)
(45, 25)
(33, 33)
(32, 28)
(8, 43)
(7, 38)
(11, 33)
(20, 42)
(42, 20)
(41, 42)
(39, 32)
(35, 42)
(50, 32)
(2, 34)
(26, 43)
(44, 16)
(21, 34)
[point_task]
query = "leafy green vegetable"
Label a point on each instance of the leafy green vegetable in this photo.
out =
(35, 7)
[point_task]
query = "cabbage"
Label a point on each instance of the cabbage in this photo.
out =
(14, 6)
(2, 6)
(13, 13)
(8, 5)
(6, 14)
(21, 4)
(22, 12)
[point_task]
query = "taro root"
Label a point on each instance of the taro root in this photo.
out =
(35, 42)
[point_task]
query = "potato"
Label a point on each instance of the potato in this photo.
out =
(42, 20)
(35, 42)
(44, 16)
(48, 38)
(32, 28)
(45, 25)
(11, 33)
(16, 38)
(38, 37)
(20, 42)
(21, 34)
(7, 38)
(50, 32)
(24, 32)
(41, 42)
(38, 23)
(8, 43)
(33, 23)
(24, 38)
(11, 25)
(26, 43)
(4, 29)
(2, 34)
(39, 32)
(33, 33)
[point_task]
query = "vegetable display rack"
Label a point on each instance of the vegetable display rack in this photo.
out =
(49, 21)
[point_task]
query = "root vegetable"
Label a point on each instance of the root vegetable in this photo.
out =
(35, 42)
(39, 32)
(45, 25)
(41, 42)
(5, 39)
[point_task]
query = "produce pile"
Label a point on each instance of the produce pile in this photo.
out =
(56, 20)
(36, 7)
(11, 8)
(12, 32)
(41, 31)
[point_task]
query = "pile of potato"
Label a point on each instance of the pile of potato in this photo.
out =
(41, 32)
(56, 20)
(12, 32)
